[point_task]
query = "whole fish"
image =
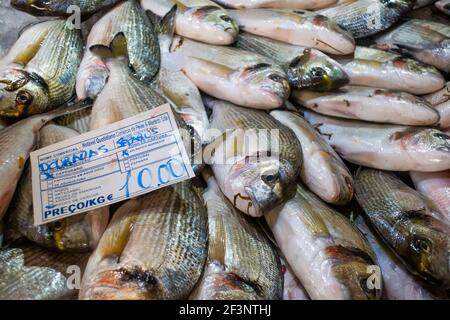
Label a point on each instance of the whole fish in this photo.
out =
(439, 96)
(370, 104)
(77, 233)
(386, 147)
(444, 6)
(242, 263)
(61, 8)
(292, 288)
(154, 248)
(201, 20)
(255, 158)
(328, 255)
(305, 67)
(39, 71)
(16, 143)
(377, 68)
(444, 112)
(363, 18)
(129, 19)
(30, 272)
(323, 171)
(436, 187)
(399, 284)
(302, 28)
(291, 4)
(421, 239)
(241, 77)
(186, 100)
(420, 40)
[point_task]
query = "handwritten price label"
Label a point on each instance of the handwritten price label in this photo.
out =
(121, 161)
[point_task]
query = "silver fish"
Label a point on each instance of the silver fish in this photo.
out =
(242, 263)
(386, 147)
(142, 44)
(254, 168)
(305, 67)
(291, 4)
(38, 73)
(423, 40)
(323, 171)
(370, 104)
(328, 255)
(154, 248)
(377, 68)
(299, 27)
(421, 239)
(201, 20)
(60, 8)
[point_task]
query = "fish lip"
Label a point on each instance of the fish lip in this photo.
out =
(252, 197)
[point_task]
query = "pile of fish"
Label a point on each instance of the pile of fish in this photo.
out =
(350, 201)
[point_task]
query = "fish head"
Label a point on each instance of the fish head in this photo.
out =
(428, 247)
(357, 271)
(423, 140)
(314, 72)
(215, 21)
(260, 183)
(70, 234)
(265, 80)
(22, 93)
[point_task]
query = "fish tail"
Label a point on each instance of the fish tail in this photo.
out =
(116, 49)
(164, 26)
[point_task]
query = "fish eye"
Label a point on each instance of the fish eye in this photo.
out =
(275, 77)
(24, 97)
(57, 226)
(422, 245)
(317, 72)
(226, 18)
(269, 178)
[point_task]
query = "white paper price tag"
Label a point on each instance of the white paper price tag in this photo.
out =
(123, 160)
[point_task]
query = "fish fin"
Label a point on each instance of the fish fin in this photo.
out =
(67, 109)
(153, 17)
(116, 49)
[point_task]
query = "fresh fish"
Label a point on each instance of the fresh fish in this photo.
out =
(363, 18)
(422, 239)
(186, 100)
(377, 68)
(328, 255)
(399, 284)
(292, 288)
(201, 20)
(323, 171)
(370, 104)
(421, 41)
(77, 233)
(129, 19)
(291, 4)
(255, 160)
(444, 6)
(444, 112)
(305, 67)
(154, 248)
(302, 28)
(436, 187)
(241, 77)
(61, 8)
(386, 147)
(242, 263)
(39, 71)
(439, 96)
(16, 143)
